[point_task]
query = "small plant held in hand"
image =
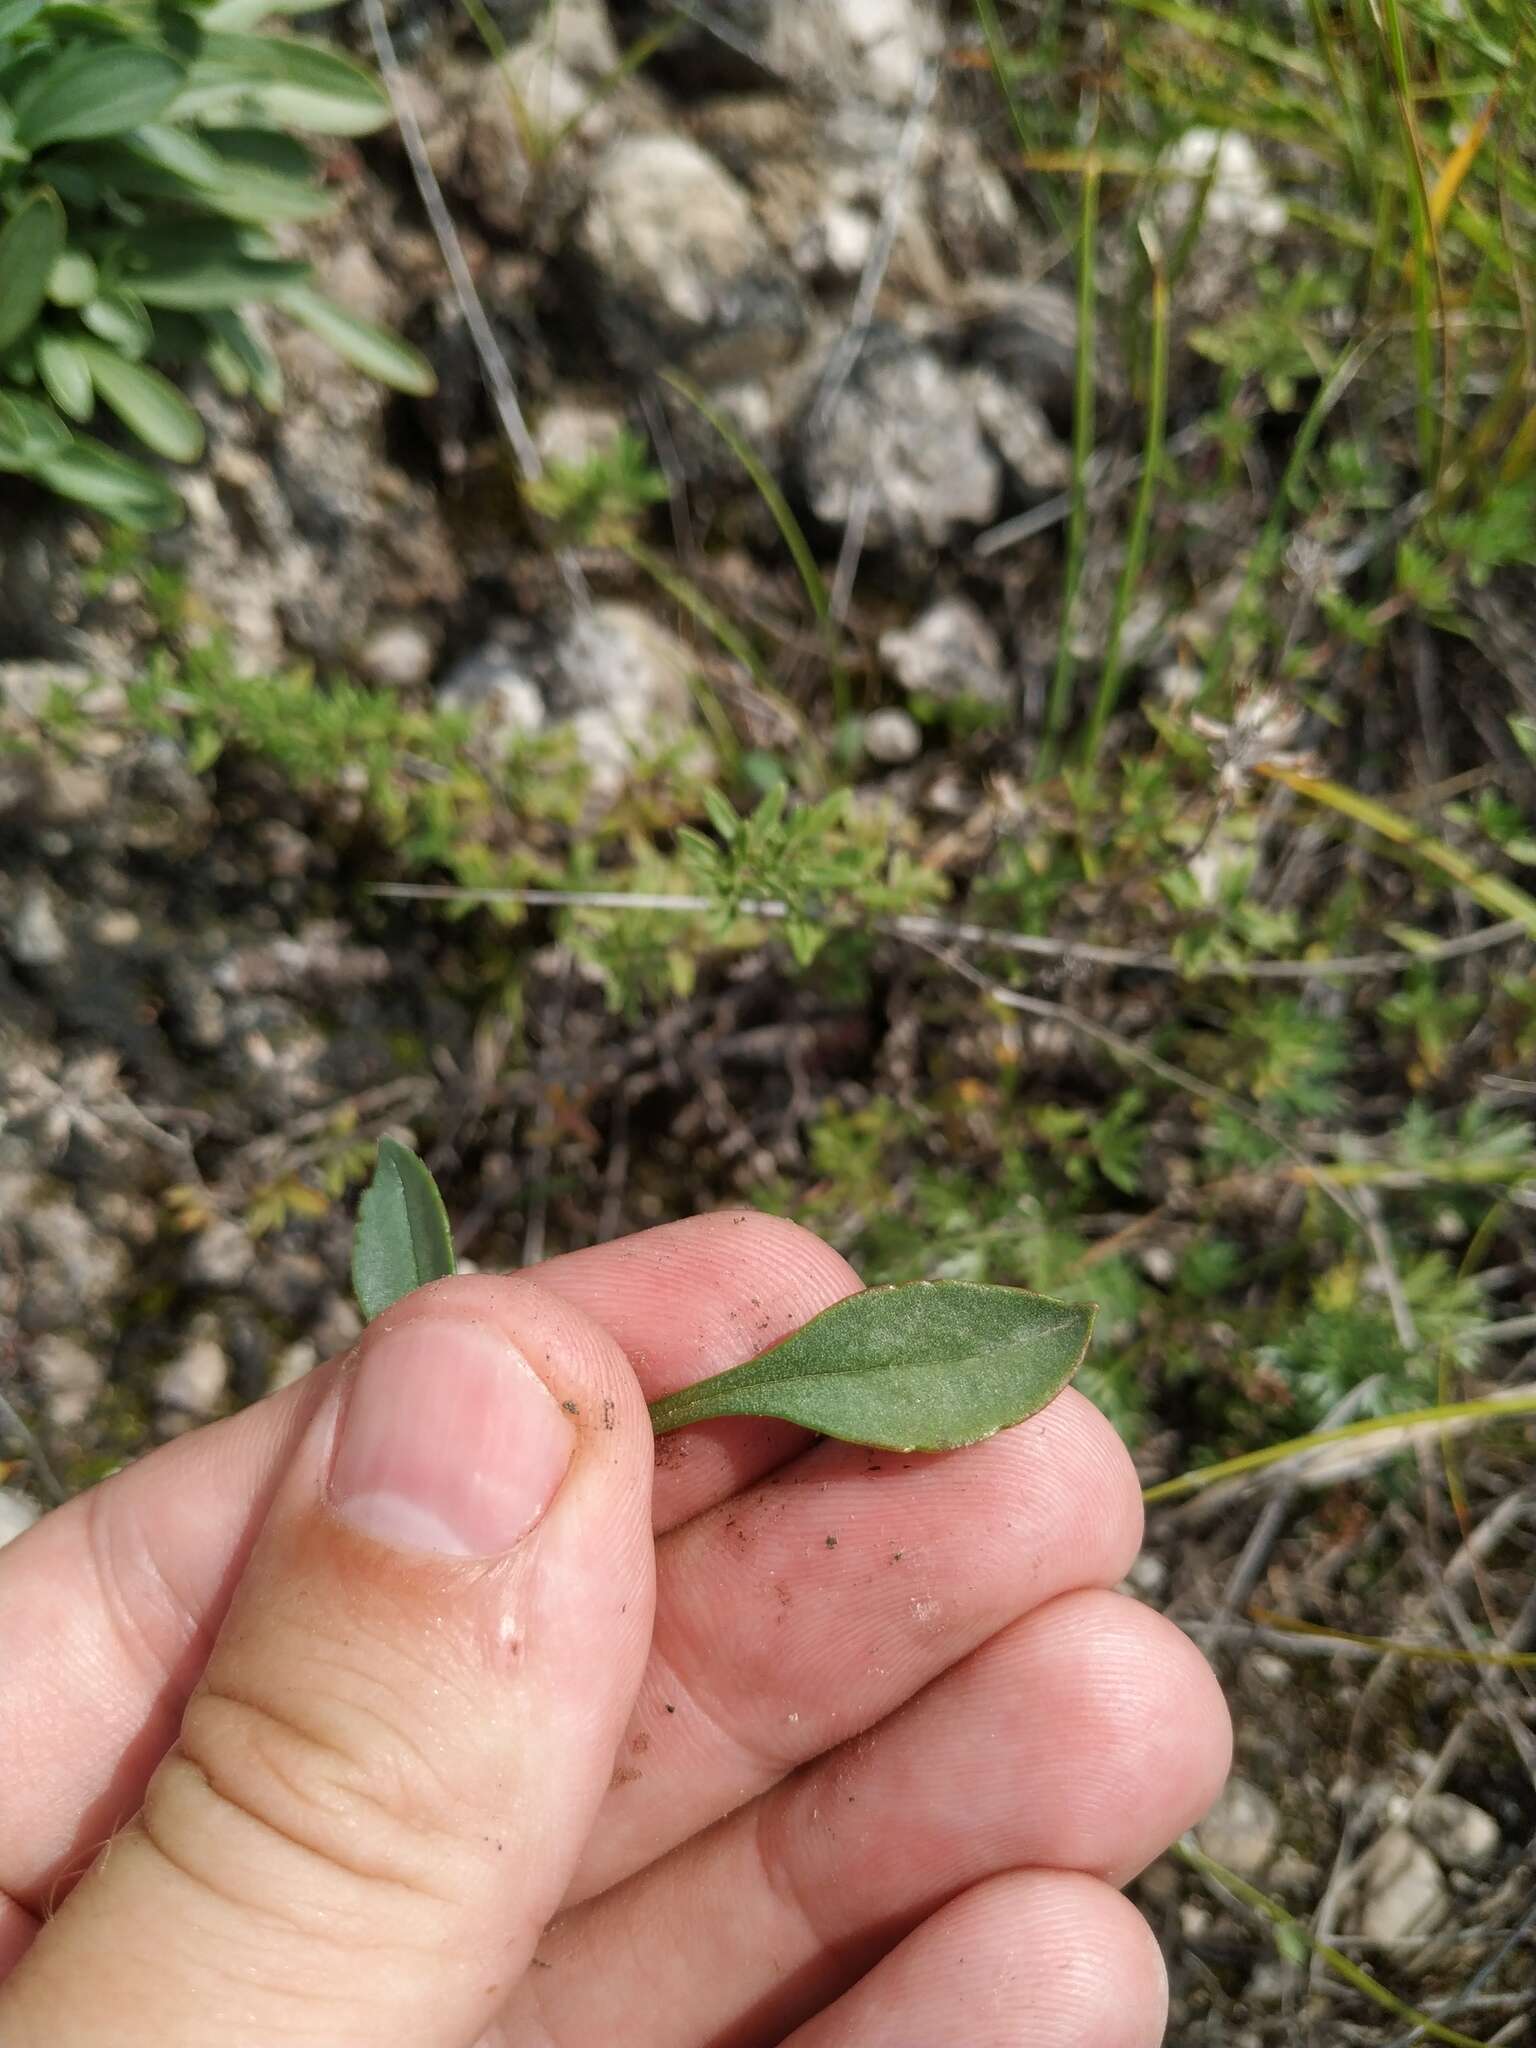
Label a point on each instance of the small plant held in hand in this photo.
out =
(144, 159)
(929, 1366)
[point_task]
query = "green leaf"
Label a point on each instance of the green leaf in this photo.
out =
(925, 1367)
(279, 82)
(31, 242)
(241, 360)
(111, 484)
(402, 1239)
(119, 319)
(95, 89)
(201, 265)
(369, 348)
(30, 433)
(66, 373)
(148, 404)
(73, 281)
(15, 14)
(246, 13)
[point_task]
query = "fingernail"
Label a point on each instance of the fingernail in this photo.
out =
(449, 1441)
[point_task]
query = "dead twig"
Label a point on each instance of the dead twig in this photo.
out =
(956, 932)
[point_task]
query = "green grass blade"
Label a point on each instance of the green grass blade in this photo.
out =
(1060, 699)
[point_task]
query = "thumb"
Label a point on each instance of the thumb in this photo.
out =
(410, 1715)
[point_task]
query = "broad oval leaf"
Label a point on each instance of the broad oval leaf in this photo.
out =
(31, 433)
(241, 359)
(148, 404)
(402, 1239)
(15, 14)
(74, 280)
(65, 370)
(93, 89)
(111, 484)
(925, 1367)
(119, 318)
(368, 347)
(31, 243)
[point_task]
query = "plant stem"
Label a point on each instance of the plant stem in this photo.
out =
(1141, 518)
(1259, 1902)
(1082, 449)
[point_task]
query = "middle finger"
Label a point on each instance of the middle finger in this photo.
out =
(806, 1609)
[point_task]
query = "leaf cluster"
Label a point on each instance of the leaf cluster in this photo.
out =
(146, 162)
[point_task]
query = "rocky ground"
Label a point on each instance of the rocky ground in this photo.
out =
(815, 214)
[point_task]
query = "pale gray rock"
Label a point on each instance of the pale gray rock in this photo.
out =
(1399, 1889)
(34, 935)
(681, 271)
(949, 652)
(1242, 1830)
(399, 655)
(1461, 1836)
(18, 1511)
(892, 736)
(191, 1388)
(68, 1378)
(219, 1256)
(901, 438)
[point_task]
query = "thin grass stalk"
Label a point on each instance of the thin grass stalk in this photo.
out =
(1296, 1930)
(1082, 448)
(790, 529)
(1490, 1410)
(1433, 439)
(1141, 518)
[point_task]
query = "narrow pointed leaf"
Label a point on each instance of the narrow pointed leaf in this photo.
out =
(31, 242)
(111, 484)
(95, 89)
(367, 347)
(66, 373)
(925, 1367)
(148, 404)
(402, 1239)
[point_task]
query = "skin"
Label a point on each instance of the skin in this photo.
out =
(752, 1739)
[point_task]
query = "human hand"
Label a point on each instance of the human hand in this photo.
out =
(851, 1756)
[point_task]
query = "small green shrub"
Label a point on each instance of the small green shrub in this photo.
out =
(144, 159)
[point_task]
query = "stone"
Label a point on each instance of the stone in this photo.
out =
(1460, 1835)
(892, 736)
(68, 1378)
(35, 937)
(608, 672)
(901, 439)
(18, 1511)
(1242, 1830)
(73, 1269)
(398, 655)
(950, 652)
(29, 687)
(1240, 198)
(874, 48)
(1399, 1889)
(495, 685)
(680, 269)
(219, 1256)
(569, 435)
(191, 1387)
(621, 678)
(532, 90)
